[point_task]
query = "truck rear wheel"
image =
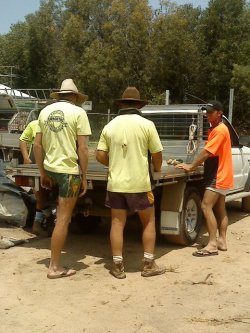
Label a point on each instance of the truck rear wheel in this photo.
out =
(191, 219)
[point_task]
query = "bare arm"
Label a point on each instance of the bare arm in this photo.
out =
(82, 152)
(157, 161)
(202, 156)
(24, 151)
(46, 181)
(102, 157)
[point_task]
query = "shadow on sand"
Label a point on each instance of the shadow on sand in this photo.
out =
(97, 244)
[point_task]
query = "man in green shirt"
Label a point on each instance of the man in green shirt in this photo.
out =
(124, 146)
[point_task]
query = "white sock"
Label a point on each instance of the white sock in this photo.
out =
(117, 259)
(148, 256)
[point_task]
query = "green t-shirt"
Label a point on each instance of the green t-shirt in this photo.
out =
(127, 139)
(60, 124)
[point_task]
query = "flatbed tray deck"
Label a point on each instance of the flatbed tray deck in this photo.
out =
(96, 171)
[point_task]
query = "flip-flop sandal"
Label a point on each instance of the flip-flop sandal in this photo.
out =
(204, 253)
(66, 273)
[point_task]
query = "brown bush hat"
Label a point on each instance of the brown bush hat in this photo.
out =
(131, 94)
(68, 87)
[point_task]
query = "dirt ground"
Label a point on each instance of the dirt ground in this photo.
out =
(195, 295)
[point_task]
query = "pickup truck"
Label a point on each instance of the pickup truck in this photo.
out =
(178, 194)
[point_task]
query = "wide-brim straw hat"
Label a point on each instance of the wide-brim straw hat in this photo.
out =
(68, 87)
(131, 94)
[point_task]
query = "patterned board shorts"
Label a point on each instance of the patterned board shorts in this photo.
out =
(129, 201)
(68, 185)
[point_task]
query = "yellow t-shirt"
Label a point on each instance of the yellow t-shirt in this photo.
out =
(60, 124)
(29, 134)
(127, 139)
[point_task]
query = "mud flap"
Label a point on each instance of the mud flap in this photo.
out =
(171, 208)
(247, 185)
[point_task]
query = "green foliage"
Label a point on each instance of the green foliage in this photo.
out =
(225, 31)
(110, 44)
(174, 62)
(13, 52)
(241, 84)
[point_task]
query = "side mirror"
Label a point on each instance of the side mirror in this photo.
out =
(244, 141)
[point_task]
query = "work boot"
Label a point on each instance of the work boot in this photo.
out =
(118, 271)
(151, 269)
(38, 230)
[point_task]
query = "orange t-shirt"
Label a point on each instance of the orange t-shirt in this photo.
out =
(218, 168)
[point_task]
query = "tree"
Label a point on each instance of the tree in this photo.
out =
(224, 33)
(110, 50)
(43, 45)
(13, 52)
(241, 83)
(175, 51)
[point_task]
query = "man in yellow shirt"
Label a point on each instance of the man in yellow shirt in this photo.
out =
(123, 147)
(26, 141)
(61, 153)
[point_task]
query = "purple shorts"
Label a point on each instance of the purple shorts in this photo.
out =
(129, 201)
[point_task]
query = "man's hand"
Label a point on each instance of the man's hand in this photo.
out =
(46, 182)
(27, 160)
(202, 156)
(184, 166)
(84, 188)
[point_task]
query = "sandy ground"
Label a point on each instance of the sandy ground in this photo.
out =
(196, 294)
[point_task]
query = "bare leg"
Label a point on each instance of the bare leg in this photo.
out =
(209, 200)
(222, 221)
(118, 222)
(147, 217)
(64, 213)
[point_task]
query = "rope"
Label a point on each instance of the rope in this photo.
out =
(191, 147)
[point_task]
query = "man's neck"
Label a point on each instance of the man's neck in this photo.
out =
(216, 123)
(129, 111)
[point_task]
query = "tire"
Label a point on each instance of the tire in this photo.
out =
(191, 219)
(81, 224)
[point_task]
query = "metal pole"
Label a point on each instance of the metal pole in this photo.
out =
(167, 98)
(108, 115)
(11, 77)
(230, 110)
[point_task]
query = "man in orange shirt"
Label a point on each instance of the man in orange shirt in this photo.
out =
(218, 176)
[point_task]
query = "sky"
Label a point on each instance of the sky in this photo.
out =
(13, 11)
